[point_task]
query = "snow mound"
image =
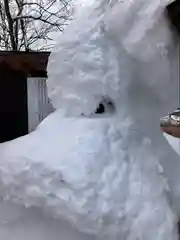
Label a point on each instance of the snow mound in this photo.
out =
(113, 176)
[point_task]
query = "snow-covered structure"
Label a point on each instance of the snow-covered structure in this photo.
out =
(112, 176)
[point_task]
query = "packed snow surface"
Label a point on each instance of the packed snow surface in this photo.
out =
(111, 175)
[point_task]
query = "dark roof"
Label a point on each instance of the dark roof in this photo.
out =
(31, 63)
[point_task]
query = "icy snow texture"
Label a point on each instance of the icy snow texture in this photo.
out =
(112, 176)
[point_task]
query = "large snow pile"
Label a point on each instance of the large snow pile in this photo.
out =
(112, 176)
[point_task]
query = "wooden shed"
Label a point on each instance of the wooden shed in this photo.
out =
(23, 95)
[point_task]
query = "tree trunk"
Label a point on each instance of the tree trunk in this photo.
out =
(10, 24)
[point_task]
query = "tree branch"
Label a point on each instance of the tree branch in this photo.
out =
(10, 24)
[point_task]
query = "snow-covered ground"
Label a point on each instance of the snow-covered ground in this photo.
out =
(174, 142)
(18, 223)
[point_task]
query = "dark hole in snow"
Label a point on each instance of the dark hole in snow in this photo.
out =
(105, 106)
(100, 109)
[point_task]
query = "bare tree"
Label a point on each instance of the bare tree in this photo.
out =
(29, 24)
